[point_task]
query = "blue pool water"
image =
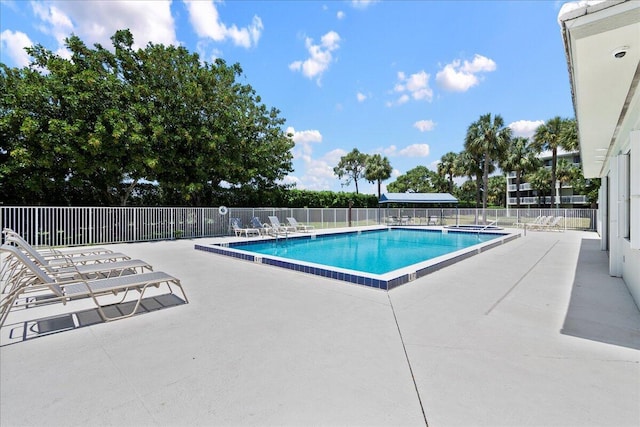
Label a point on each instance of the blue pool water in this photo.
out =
(376, 252)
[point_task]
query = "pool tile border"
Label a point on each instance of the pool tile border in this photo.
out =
(384, 282)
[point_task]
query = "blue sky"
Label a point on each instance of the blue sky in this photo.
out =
(404, 79)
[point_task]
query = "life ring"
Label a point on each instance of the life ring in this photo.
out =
(222, 210)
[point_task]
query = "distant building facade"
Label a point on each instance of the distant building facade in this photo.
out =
(529, 197)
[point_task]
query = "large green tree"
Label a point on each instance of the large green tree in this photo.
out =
(90, 128)
(489, 138)
(416, 180)
(377, 169)
(351, 167)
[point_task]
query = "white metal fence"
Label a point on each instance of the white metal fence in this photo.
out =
(69, 226)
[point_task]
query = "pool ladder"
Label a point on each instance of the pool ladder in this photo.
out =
(491, 224)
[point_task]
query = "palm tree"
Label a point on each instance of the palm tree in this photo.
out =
(520, 159)
(470, 165)
(448, 168)
(556, 133)
(377, 169)
(540, 181)
(566, 173)
(489, 138)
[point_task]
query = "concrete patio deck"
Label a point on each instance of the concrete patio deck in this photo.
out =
(533, 332)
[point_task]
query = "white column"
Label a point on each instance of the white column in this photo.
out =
(603, 219)
(615, 255)
(634, 170)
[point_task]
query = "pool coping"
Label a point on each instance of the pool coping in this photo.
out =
(386, 281)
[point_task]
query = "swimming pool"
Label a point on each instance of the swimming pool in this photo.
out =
(382, 258)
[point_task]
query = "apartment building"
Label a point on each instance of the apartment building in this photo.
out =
(529, 197)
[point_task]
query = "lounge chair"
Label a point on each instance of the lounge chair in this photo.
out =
(54, 290)
(391, 220)
(553, 224)
(537, 220)
(54, 256)
(66, 251)
(275, 224)
(433, 220)
(69, 270)
(544, 221)
(263, 229)
(299, 227)
(61, 260)
(237, 227)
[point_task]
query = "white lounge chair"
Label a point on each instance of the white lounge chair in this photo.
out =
(237, 227)
(278, 227)
(62, 265)
(553, 224)
(299, 227)
(263, 229)
(537, 220)
(391, 220)
(54, 290)
(544, 221)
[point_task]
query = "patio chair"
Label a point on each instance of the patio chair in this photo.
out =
(433, 220)
(299, 227)
(275, 224)
(52, 290)
(236, 225)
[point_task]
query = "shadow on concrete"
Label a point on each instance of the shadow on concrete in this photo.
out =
(601, 307)
(37, 328)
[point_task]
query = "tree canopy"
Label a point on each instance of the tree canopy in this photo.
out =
(351, 167)
(377, 170)
(91, 128)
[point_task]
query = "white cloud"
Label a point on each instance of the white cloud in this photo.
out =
(415, 86)
(415, 150)
(333, 156)
(320, 56)
(479, 64)
(461, 76)
(96, 22)
(361, 97)
(303, 140)
(362, 4)
(312, 173)
(424, 125)
(54, 21)
(205, 19)
(525, 128)
(14, 43)
(340, 15)
(390, 151)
